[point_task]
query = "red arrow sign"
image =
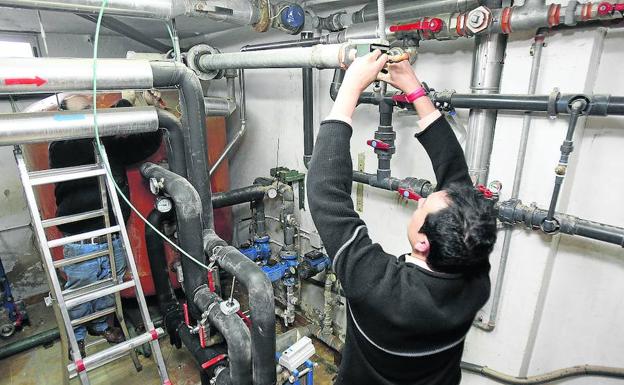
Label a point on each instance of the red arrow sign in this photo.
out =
(25, 81)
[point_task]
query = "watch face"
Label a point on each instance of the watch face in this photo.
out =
(164, 205)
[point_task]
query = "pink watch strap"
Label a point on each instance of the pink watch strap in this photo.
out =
(411, 97)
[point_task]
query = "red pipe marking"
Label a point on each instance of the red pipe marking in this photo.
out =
(506, 20)
(154, 334)
(211, 285)
(187, 320)
(80, 366)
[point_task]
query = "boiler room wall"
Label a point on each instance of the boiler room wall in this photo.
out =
(561, 303)
(18, 250)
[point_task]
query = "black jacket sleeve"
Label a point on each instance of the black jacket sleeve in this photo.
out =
(132, 148)
(447, 156)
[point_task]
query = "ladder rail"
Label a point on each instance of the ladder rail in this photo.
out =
(47, 259)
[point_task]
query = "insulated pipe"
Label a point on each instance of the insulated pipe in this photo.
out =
(29, 342)
(176, 153)
(413, 9)
(24, 128)
(49, 75)
(201, 355)
(170, 74)
(188, 215)
(261, 305)
(235, 332)
(308, 115)
(487, 69)
(319, 56)
(238, 196)
(219, 106)
(547, 378)
(158, 9)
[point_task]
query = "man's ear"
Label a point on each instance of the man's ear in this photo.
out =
(421, 244)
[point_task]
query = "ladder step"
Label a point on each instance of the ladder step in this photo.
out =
(81, 237)
(72, 218)
(55, 175)
(89, 293)
(115, 352)
(86, 257)
(91, 317)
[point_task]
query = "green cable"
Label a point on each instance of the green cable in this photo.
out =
(103, 153)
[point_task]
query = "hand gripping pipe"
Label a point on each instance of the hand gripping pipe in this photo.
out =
(24, 128)
(261, 305)
(319, 56)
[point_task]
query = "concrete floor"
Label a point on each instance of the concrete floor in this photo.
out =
(42, 365)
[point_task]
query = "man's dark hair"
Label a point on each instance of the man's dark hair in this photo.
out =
(462, 235)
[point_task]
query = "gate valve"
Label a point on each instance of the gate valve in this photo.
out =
(409, 194)
(487, 193)
(428, 25)
(606, 8)
(378, 144)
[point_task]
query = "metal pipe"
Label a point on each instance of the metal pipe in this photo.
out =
(487, 69)
(514, 212)
(46, 75)
(536, 50)
(23, 128)
(261, 305)
(404, 10)
(242, 111)
(241, 195)
(29, 342)
(319, 56)
(381, 19)
(308, 110)
(239, 12)
(158, 9)
(547, 378)
(219, 106)
(127, 31)
(421, 187)
(307, 42)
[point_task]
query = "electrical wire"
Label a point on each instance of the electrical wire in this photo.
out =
(102, 153)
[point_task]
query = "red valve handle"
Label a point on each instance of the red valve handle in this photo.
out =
(606, 8)
(433, 25)
(211, 284)
(487, 193)
(409, 194)
(213, 361)
(378, 144)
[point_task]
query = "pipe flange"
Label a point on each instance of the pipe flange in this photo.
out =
(7, 330)
(599, 105)
(192, 60)
(552, 103)
(479, 19)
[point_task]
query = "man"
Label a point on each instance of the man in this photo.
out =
(408, 316)
(83, 195)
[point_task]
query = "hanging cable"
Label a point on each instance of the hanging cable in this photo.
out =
(102, 153)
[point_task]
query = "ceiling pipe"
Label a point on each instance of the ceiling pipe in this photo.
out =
(413, 9)
(25, 128)
(149, 9)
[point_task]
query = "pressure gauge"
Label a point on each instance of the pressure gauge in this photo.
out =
(164, 204)
(272, 193)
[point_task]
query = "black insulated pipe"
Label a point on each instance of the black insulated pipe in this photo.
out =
(188, 209)
(261, 306)
(201, 355)
(238, 196)
(422, 187)
(385, 133)
(308, 108)
(173, 74)
(235, 332)
(176, 154)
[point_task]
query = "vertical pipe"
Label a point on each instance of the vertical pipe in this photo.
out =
(386, 134)
(524, 139)
(381, 19)
(487, 68)
(308, 109)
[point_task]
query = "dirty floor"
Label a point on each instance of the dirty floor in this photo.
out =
(42, 365)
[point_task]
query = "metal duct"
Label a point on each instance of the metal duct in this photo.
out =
(320, 56)
(34, 75)
(487, 69)
(151, 9)
(414, 9)
(219, 106)
(64, 125)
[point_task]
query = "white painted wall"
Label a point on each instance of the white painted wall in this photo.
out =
(561, 301)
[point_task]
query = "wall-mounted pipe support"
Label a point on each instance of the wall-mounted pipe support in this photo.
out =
(23, 128)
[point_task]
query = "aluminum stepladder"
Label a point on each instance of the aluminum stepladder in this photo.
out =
(63, 300)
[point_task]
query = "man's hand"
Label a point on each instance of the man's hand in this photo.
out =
(401, 76)
(361, 73)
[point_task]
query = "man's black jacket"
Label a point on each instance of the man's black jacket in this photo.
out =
(405, 324)
(82, 195)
